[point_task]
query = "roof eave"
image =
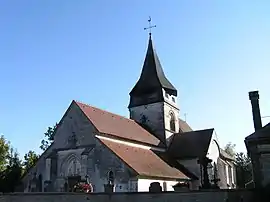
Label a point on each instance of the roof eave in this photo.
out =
(171, 178)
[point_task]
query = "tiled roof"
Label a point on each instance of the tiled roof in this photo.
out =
(183, 126)
(113, 124)
(144, 162)
(191, 144)
(227, 156)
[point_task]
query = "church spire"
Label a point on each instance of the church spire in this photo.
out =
(152, 81)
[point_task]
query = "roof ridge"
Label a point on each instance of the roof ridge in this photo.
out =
(198, 130)
(114, 114)
(179, 118)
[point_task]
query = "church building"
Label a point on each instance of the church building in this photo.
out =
(129, 154)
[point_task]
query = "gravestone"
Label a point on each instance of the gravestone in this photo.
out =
(155, 187)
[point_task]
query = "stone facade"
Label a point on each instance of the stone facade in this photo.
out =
(64, 158)
(158, 116)
(151, 115)
(264, 159)
(259, 152)
(77, 153)
(258, 147)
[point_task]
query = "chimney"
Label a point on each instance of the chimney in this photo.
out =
(254, 98)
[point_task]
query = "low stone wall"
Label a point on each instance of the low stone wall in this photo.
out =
(198, 196)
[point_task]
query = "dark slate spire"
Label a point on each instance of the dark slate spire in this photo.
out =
(149, 87)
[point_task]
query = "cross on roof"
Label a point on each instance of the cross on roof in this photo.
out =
(150, 26)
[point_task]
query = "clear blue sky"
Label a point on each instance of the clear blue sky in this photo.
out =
(52, 52)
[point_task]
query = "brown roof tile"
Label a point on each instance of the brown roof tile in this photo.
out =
(116, 125)
(225, 155)
(183, 126)
(144, 162)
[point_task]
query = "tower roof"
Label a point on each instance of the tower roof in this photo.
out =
(152, 76)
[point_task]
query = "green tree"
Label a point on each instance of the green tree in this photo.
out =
(243, 169)
(30, 160)
(10, 177)
(49, 137)
(230, 149)
(4, 152)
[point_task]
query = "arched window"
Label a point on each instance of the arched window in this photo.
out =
(172, 122)
(110, 177)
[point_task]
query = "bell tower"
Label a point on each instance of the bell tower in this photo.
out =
(153, 99)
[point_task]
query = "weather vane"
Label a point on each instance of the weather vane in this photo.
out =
(150, 26)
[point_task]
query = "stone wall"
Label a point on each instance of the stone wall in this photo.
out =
(154, 117)
(98, 162)
(73, 121)
(104, 161)
(198, 196)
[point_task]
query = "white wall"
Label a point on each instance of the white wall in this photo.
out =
(144, 184)
(167, 110)
(213, 150)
